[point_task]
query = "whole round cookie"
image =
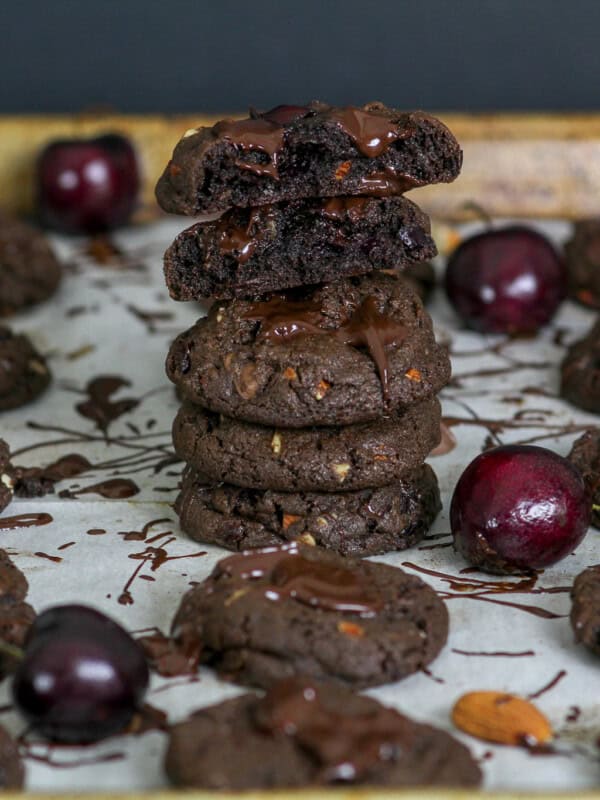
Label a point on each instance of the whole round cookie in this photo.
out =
(582, 258)
(585, 609)
(23, 371)
(580, 372)
(276, 612)
(359, 523)
(307, 733)
(29, 270)
(334, 354)
(585, 455)
(321, 459)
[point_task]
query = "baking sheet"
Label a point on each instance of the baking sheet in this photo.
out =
(106, 321)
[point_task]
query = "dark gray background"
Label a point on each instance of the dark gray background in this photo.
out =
(180, 55)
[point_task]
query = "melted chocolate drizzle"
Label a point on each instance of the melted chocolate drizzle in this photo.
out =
(99, 407)
(254, 134)
(282, 319)
(290, 575)
(25, 521)
(241, 241)
(371, 133)
(347, 746)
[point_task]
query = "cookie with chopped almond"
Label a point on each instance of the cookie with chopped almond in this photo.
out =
(335, 354)
(585, 608)
(312, 459)
(307, 733)
(360, 523)
(580, 372)
(276, 612)
(585, 454)
(315, 150)
(24, 374)
(582, 258)
(250, 251)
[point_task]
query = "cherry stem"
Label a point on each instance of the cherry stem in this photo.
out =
(479, 212)
(11, 650)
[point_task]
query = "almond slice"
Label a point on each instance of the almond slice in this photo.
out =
(501, 718)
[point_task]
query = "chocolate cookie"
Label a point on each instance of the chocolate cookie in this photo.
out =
(585, 455)
(322, 459)
(334, 354)
(580, 372)
(12, 771)
(16, 616)
(269, 614)
(306, 733)
(582, 257)
(251, 251)
(29, 270)
(6, 479)
(317, 150)
(585, 610)
(359, 523)
(23, 371)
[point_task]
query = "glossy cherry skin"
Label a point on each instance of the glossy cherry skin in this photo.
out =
(510, 280)
(518, 508)
(82, 676)
(87, 185)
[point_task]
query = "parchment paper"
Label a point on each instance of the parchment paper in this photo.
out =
(120, 322)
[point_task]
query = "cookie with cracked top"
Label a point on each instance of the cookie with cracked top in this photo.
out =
(251, 251)
(360, 523)
(16, 616)
(336, 354)
(323, 459)
(585, 608)
(273, 613)
(582, 259)
(585, 455)
(316, 150)
(307, 733)
(30, 272)
(580, 372)
(24, 374)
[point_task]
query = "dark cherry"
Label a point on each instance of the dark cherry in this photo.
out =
(509, 280)
(283, 115)
(518, 508)
(82, 676)
(87, 185)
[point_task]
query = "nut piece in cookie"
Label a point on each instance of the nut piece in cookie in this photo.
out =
(272, 613)
(580, 372)
(307, 733)
(29, 269)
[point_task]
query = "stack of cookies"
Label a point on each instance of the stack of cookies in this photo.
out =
(309, 389)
